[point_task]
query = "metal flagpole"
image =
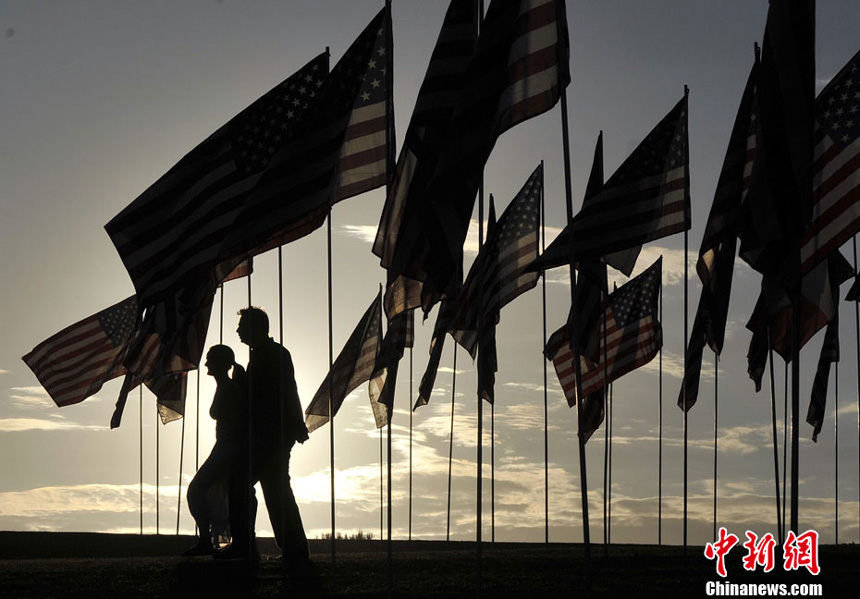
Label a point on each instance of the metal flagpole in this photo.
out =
(381, 490)
(684, 387)
(410, 444)
(857, 347)
(390, 412)
(609, 486)
(606, 391)
(157, 474)
(716, 402)
(451, 442)
(179, 485)
(795, 406)
(779, 522)
(480, 416)
(660, 442)
(389, 171)
(785, 414)
(544, 361)
(330, 379)
(140, 392)
(250, 462)
(480, 441)
(493, 472)
(574, 345)
(605, 445)
(330, 388)
(836, 452)
(284, 448)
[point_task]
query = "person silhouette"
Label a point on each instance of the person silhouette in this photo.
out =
(209, 489)
(276, 423)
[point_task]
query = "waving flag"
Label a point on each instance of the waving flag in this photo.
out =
(173, 230)
(836, 171)
(354, 365)
(517, 70)
(633, 336)
(74, 364)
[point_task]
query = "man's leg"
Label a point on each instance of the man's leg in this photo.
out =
(283, 509)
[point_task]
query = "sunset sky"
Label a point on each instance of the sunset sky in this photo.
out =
(99, 98)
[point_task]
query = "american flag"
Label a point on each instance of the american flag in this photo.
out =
(829, 355)
(74, 364)
(168, 343)
(836, 177)
(498, 274)
(517, 70)
(633, 336)
(447, 309)
(715, 265)
(779, 202)
(398, 337)
(724, 218)
(433, 109)
(172, 232)
(819, 299)
(647, 198)
(343, 150)
(354, 365)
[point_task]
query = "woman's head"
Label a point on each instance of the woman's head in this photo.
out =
(219, 358)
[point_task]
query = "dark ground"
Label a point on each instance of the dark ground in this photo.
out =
(49, 565)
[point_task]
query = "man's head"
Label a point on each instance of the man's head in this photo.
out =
(253, 326)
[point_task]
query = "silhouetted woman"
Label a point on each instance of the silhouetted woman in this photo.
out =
(208, 491)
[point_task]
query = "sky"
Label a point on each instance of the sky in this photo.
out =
(100, 98)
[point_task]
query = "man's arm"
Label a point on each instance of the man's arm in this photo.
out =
(295, 421)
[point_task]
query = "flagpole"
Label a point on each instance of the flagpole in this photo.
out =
(480, 448)
(543, 360)
(716, 402)
(836, 452)
(493, 472)
(660, 442)
(157, 474)
(331, 388)
(684, 387)
(410, 444)
(389, 180)
(140, 392)
(381, 490)
(785, 415)
(609, 486)
(179, 485)
(284, 449)
(857, 352)
(451, 441)
(574, 344)
(606, 390)
(779, 522)
(795, 406)
(250, 463)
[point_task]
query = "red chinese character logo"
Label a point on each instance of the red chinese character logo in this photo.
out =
(759, 552)
(719, 548)
(801, 551)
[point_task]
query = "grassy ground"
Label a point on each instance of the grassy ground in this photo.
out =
(49, 565)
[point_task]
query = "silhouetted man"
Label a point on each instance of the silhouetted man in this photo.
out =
(276, 423)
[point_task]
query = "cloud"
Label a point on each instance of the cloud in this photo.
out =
(365, 233)
(673, 267)
(30, 397)
(673, 366)
(53, 501)
(8, 425)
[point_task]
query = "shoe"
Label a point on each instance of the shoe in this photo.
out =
(201, 548)
(233, 552)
